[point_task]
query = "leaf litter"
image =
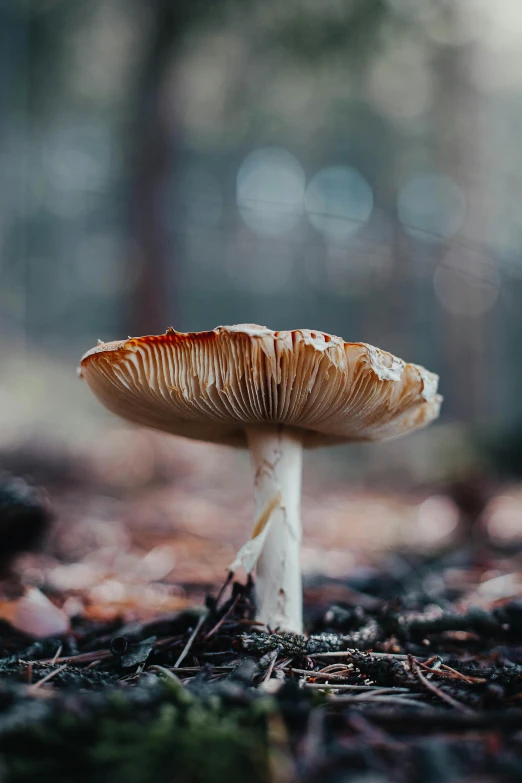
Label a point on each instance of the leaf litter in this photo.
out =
(401, 678)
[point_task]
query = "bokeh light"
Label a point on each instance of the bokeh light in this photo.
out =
(270, 191)
(400, 84)
(503, 517)
(467, 283)
(437, 517)
(77, 165)
(78, 158)
(338, 202)
(431, 207)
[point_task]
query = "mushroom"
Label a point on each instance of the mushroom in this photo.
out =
(275, 393)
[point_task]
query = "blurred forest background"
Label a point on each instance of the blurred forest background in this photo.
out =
(353, 166)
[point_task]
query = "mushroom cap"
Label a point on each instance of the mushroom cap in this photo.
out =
(213, 385)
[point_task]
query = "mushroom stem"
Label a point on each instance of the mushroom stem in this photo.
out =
(277, 456)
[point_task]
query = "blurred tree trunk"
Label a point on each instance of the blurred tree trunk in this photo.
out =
(154, 304)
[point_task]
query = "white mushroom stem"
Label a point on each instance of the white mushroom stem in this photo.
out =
(277, 457)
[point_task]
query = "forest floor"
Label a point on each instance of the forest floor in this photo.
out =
(411, 671)
(402, 683)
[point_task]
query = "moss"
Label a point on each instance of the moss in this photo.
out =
(160, 734)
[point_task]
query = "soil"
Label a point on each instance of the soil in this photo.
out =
(412, 676)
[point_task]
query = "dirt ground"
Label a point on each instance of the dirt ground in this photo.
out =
(156, 670)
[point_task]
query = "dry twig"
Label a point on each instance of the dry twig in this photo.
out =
(45, 679)
(191, 639)
(415, 668)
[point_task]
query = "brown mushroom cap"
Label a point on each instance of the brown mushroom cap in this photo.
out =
(212, 385)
